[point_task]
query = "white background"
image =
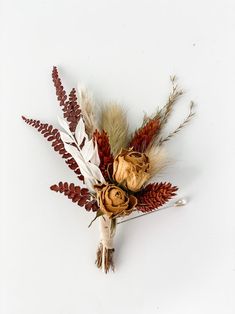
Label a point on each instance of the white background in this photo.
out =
(179, 261)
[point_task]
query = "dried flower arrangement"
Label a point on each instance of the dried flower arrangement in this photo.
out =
(114, 166)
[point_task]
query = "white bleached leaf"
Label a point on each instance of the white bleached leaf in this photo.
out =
(80, 132)
(64, 125)
(79, 159)
(96, 172)
(85, 171)
(90, 184)
(72, 151)
(88, 150)
(95, 158)
(65, 137)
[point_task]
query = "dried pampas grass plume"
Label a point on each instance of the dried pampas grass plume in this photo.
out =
(114, 122)
(157, 159)
(87, 106)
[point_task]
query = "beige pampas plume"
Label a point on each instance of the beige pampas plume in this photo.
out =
(87, 106)
(157, 159)
(114, 122)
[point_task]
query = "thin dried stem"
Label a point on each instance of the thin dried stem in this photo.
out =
(166, 111)
(181, 126)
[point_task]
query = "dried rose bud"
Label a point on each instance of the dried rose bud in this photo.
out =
(131, 169)
(113, 201)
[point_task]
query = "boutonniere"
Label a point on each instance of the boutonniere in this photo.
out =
(113, 167)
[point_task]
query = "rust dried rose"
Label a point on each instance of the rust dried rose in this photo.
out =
(114, 202)
(131, 169)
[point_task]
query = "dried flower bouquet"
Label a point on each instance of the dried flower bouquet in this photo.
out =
(115, 167)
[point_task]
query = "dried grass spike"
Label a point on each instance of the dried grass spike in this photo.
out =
(157, 159)
(88, 114)
(114, 122)
(181, 126)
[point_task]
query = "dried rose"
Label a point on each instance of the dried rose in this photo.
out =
(114, 202)
(131, 169)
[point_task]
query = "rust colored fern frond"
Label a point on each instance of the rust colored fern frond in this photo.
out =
(104, 150)
(72, 110)
(76, 194)
(155, 195)
(70, 106)
(60, 92)
(53, 136)
(145, 135)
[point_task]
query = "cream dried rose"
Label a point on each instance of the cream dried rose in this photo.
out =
(131, 169)
(114, 202)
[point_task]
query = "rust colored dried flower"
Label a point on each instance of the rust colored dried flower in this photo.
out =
(131, 169)
(114, 202)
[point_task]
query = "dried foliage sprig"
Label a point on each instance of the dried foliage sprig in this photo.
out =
(181, 126)
(53, 135)
(155, 195)
(70, 107)
(151, 128)
(78, 195)
(84, 152)
(175, 94)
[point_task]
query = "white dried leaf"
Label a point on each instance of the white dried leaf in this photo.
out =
(96, 172)
(80, 132)
(88, 150)
(65, 137)
(95, 158)
(64, 125)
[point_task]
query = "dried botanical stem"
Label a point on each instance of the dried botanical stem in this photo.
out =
(105, 250)
(173, 97)
(180, 127)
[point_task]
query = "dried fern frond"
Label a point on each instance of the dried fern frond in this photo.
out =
(155, 195)
(104, 150)
(78, 195)
(70, 107)
(88, 114)
(60, 92)
(145, 135)
(53, 136)
(157, 159)
(114, 122)
(180, 127)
